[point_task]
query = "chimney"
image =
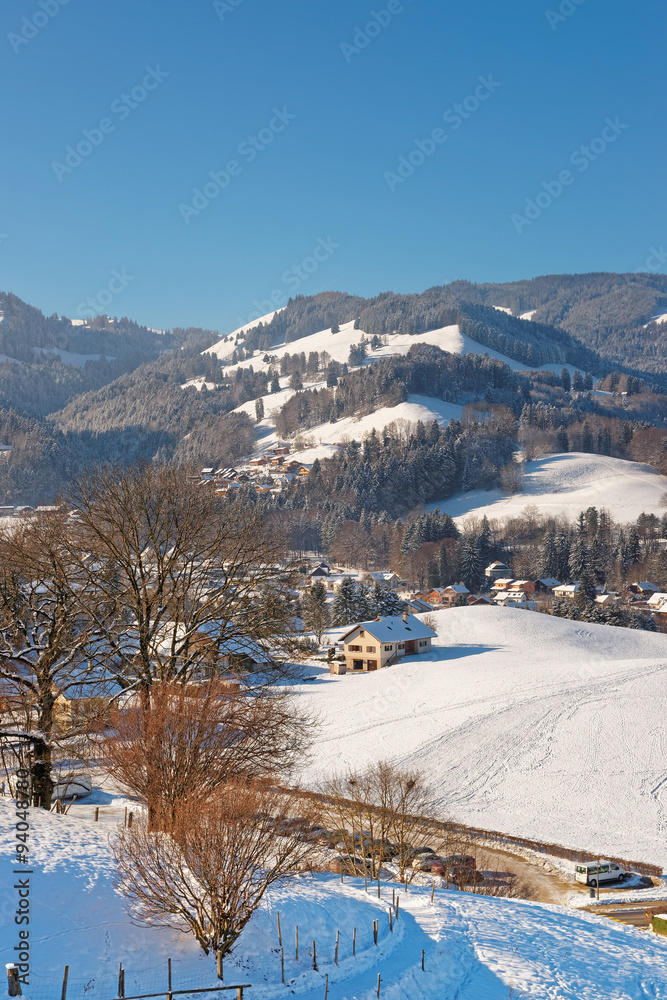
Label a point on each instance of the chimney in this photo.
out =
(405, 614)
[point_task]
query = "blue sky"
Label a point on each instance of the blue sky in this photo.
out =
(313, 116)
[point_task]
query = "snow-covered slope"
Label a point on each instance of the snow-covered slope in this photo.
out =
(475, 948)
(320, 441)
(567, 484)
(225, 347)
(524, 723)
(448, 338)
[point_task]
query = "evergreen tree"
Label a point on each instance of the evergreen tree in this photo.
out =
(444, 568)
(562, 557)
(259, 409)
(345, 604)
(275, 384)
(472, 571)
(364, 603)
(332, 378)
(295, 381)
(562, 440)
(634, 548)
(578, 561)
(316, 611)
(548, 561)
(577, 381)
(485, 541)
(587, 584)
(565, 379)
(335, 328)
(586, 438)
(588, 381)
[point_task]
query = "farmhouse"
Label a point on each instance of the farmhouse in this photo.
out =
(372, 645)
(497, 570)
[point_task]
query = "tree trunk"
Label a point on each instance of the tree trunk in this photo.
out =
(40, 772)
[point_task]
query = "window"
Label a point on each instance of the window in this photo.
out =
(423, 642)
(370, 649)
(354, 649)
(401, 645)
(388, 649)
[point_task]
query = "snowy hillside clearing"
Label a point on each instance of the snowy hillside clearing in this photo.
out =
(226, 347)
(533, 725)
(475, 948)
(448, 338)
(567, 484)
(320, 441)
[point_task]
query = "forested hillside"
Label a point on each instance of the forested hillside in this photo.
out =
(609, 313)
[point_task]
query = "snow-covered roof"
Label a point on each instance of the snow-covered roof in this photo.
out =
(458, 588)
(498, 565)
(393, 628)
(646, 585)
(657, 599)
(549, 581)
(505, 581)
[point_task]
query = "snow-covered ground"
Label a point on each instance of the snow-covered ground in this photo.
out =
(524, 723)
(475, 948)
(567, 484)
(225, 347)
(448, 338)
(320, 441)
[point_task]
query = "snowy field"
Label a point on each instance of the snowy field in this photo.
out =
(475, 948)
(567, 484)
(524, 723)
(448, 338)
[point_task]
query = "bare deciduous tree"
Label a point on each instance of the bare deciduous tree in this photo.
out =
(46, 647)
(192, 739)
(182, 578)
(209, 875)
(379, 814)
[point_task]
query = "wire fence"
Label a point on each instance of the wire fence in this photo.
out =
(104, 984)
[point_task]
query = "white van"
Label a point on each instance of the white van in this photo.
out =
(592, 872)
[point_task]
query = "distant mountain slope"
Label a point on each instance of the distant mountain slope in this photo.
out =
(46, 361)
(609, 313)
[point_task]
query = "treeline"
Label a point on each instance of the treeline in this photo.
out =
(609, 313)
(426, 370)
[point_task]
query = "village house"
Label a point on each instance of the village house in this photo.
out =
(546, 585)
(567, 590)
(644, 589)
(454, 594)
(527, 586)
(377, 644)
(481, 601)
(385, 578)
(504, 584)
(496, 570)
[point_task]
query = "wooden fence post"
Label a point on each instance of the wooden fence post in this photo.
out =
(391, 926)
(97, 813)
(130, 817)
(432, 889)
(378, 985)
(314, 957)
(280, 937)
(121, 980)
(65, 976)
(379, 886)
(326, 988)
(354, 942)
(220, 970)
(296, 941)
(397, 905)
(125, 822)
(282, 964)
(336, 952)
(422, 959)
(169, 973)
(13, 981)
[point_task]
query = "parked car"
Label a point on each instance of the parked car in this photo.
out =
(350, 864)
(432, 864)
(461, 859)
(463, 874)
(594, 872)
